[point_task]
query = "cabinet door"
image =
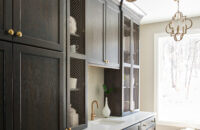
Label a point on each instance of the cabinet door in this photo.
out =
(41, 22)
(39, 93)
(5, 19)
(134, 127)
(112, 43)
(95, 19)
(6, 121)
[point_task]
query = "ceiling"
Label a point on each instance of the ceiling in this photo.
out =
(162, 10)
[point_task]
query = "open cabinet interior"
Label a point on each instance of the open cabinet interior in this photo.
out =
(76, 114)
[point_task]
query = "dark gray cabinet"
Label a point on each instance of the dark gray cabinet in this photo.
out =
(38, 89)
(134, 127)
(35, 77)
(5, 19)
(112, 42)
(124, 99)
(36, 23)
(95, 25)
(32, 91)
(6, 89)
(147, 124)
(102, 33)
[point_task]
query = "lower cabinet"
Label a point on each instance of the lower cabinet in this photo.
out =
(6, 98)
(148, 124)
(134, 127)
(35, 77)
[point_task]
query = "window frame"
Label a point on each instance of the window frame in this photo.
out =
(156, 74)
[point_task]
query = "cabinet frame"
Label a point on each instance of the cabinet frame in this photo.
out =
(17, 51)
(115, 78)
(103, 61)
(6, 47)
(7, 20)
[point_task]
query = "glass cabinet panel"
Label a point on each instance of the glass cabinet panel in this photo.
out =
(136, 88)
(136, 44)
(127, 40)
(127, 83)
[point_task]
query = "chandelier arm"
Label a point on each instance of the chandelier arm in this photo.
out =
(191, 23)
(166, 29)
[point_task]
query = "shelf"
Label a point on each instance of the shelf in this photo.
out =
(136, 66)
(75, 35)
(74, 90)
(77, 56)
(127, 65)
(126, 87)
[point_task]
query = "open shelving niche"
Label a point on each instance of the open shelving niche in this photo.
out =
(77, 67)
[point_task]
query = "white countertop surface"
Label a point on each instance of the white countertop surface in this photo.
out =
(118, 123)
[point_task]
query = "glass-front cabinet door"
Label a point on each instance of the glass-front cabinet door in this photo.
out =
(127, 65)
(135, 66)
(131, 68)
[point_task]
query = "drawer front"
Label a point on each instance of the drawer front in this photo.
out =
(148, 124)
(134, 127)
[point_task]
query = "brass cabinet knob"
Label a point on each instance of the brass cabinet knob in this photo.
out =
(70, 129)
(11, 32)
(106, 61)
(19, 34)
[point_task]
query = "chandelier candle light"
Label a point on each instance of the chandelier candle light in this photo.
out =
(179, 25)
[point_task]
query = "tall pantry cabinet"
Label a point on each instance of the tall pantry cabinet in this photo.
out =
(32, 39)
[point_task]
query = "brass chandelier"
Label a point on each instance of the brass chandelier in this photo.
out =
(179, 25)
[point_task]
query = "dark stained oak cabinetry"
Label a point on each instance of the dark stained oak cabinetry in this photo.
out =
(112, 42)
(124, 99)
(35, 77)
(6, 95)
(5, 19)
(38, 89)
(95, 25)
(32, 72)
(102, 33)
(34, 22)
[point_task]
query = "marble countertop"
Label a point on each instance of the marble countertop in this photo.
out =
(118, 123)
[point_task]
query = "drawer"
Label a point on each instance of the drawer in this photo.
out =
(148, 124)
(134, 127)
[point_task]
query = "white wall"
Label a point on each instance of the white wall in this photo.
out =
(95, 89)
(147, 32)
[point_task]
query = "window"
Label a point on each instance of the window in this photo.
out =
(177, 80)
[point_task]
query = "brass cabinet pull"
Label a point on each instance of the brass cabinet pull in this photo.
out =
(11, 32)
(19, 34)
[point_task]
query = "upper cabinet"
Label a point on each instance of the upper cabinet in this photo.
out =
(102, 33)
(112, 42)
(36, 23)
(6, 95)
(6, 19)
(95, 16)
(125, 82)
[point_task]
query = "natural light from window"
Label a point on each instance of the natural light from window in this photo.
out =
(178, 80)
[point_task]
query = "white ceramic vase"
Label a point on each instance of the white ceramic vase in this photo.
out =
(73, 117)
(72, 25)
(106, 110)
